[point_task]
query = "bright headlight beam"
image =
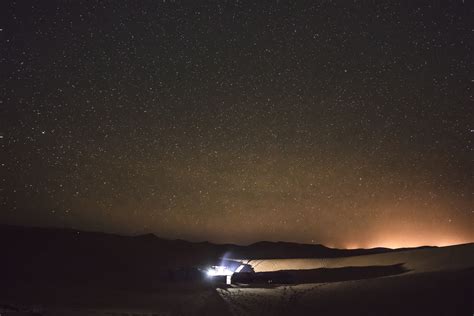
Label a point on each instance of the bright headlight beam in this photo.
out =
(219, 270)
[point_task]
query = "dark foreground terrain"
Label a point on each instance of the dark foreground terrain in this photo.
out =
(65, 272)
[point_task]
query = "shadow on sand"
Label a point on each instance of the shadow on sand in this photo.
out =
(322, 275)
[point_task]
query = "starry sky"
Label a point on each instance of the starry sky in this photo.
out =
(343, 123)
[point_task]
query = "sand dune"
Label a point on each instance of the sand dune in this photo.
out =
(65, 273)
(439, 281)
(415, 260)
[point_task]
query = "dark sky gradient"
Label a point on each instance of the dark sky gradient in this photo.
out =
(343, 123)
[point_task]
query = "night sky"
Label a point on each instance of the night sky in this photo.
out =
(343, 123)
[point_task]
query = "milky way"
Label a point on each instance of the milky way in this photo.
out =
(347, 124)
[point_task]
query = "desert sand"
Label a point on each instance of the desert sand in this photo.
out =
(58, 273)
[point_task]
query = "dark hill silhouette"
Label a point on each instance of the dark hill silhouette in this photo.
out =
(19, 238)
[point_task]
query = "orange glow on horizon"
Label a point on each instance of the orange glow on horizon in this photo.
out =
(414, 242)
(401, 227)
(409, 240)
(405, 243)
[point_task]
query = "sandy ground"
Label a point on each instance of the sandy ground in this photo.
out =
(175, 300)
(422, 294)
(440, 281)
